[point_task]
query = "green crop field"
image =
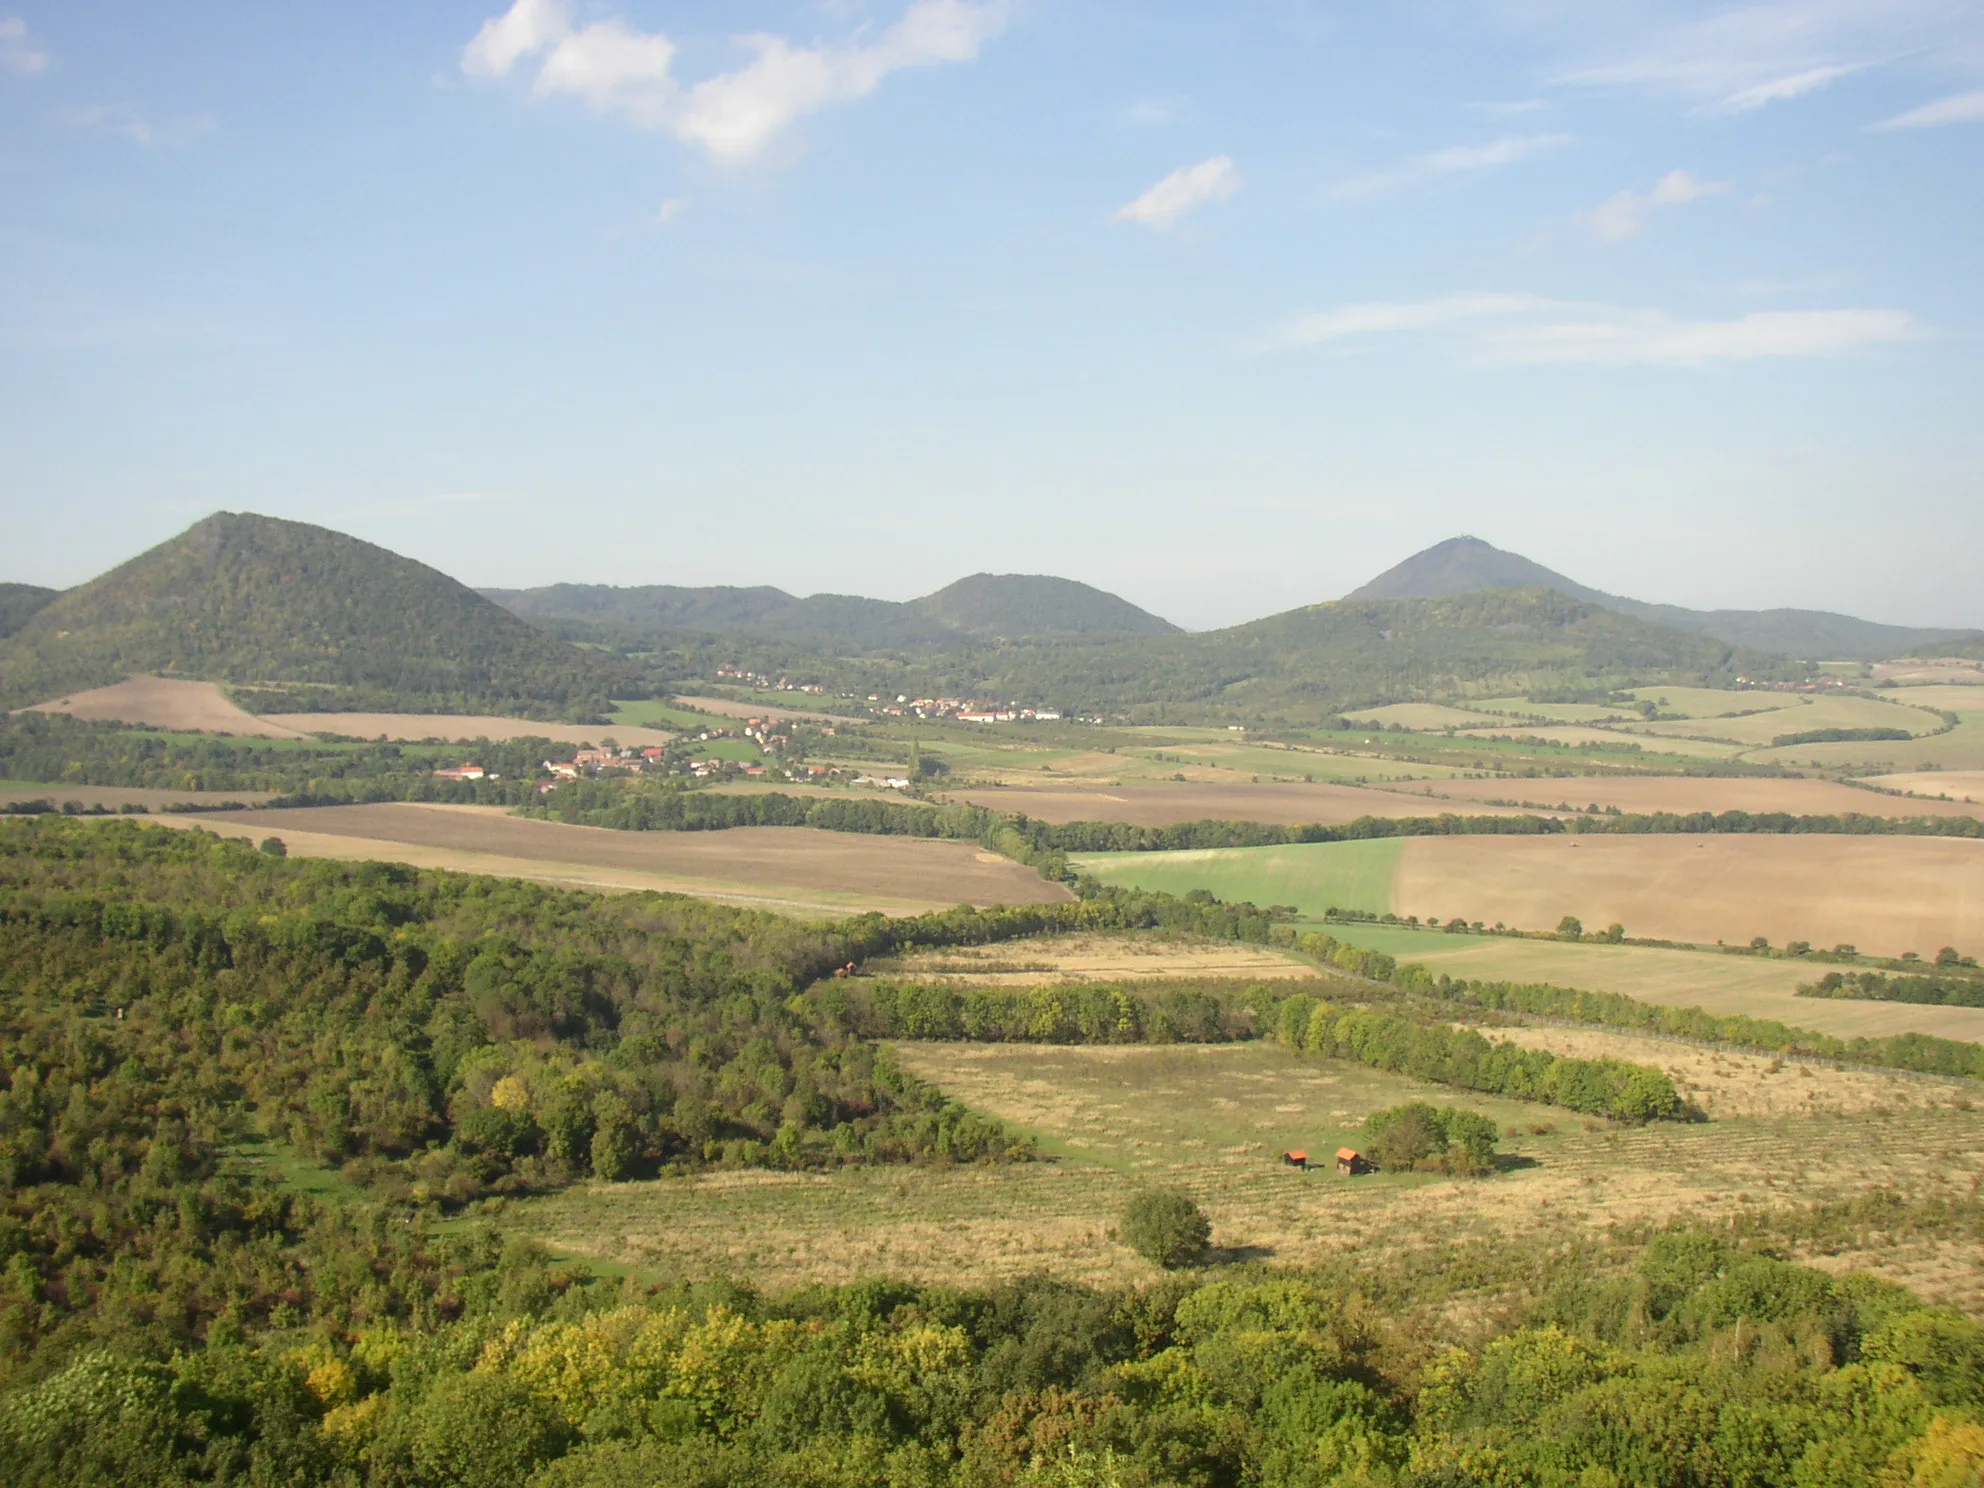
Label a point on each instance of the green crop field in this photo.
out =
(1312, 876)
(654, 713)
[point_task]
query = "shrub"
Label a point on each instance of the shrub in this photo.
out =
(1166, 1227)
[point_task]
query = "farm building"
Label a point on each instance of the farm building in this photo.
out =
(1296, 1158)
(1350, 1162)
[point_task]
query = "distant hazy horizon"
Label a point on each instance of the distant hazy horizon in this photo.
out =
(1222, 310)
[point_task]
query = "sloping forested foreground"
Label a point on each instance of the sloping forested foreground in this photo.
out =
(167, 1315)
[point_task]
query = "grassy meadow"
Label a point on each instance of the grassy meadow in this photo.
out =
(1214, 1119)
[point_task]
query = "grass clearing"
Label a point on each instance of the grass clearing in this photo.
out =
(1166, 803)
(1635, 794)
(1962, 748)
(1212, 1120)
(1580, 736)
(1757, 730)
(1554, 712)
(1049, 959)
(1964, 787)
(1312, 876)
(1713, 702)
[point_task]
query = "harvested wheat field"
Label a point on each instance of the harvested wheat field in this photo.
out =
(1575, 735)
(1213, 1120)
(1092, 958)
(1686, 793)
(413, 728)
(168, 703)
(1163, 804)
(1885, 895)
(111, 797)
(792, 869)
(1965, 788)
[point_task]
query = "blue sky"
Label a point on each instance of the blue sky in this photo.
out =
(1224, 308)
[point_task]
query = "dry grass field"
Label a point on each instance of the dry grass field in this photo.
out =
(727, 708)
(1420, 716)
(1212, 1120)
(163, 702)
(1092, 958)
(110, 797)
(1682, 793)
(1725, 1085)
(1575, 734)
(1884, 894)
(792, 869)
(1713, 702)
(1962, 748)
(1165, 803)
(1758, 729)
(1957, 670)
(464, 727)
(1753, 986)
(1961, 786)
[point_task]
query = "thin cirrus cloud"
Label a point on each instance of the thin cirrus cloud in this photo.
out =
(734, 115)
(1624, 214)
(1536, 331)
(1455, 160)
(1184, 189)
(1748, 57)
(16, 55)
(1962, 108)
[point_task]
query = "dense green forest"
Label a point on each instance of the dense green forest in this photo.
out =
(1944, 990)
(331, 621)
(18, 602)
(170, 1314)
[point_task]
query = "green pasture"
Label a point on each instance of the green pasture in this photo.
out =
(1758, 729)
(654, 713)
(1312, 876)
(1428, 717)
(1516, 707)
(736, 751)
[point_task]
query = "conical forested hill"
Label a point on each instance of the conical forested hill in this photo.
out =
(325, 619)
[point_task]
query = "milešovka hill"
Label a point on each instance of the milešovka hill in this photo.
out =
(306, 618)
(1466, 565)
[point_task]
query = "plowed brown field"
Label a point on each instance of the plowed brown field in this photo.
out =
(793, 869)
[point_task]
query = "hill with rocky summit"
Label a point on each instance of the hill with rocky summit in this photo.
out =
(307, 618)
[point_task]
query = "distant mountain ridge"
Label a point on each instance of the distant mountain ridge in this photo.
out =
(1465, 565)
(980, 607)
(327, 620)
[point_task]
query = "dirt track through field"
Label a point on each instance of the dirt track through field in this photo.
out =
(793, 868)
(1885, 895)
(1682, 793)
(167, 703)
(1164, 804)
(414, 727)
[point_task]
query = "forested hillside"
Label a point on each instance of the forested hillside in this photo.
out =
(981, 606)
(324, 620)
(18, 602)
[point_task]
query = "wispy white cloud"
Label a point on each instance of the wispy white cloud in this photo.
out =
(1745, 57)
(127, 123)
(1178, 193)
(1624, 214)
(1535, 331)
(734, 115)
(1377, 316)
(668, 211)
(16, 55)
(1455, 160)
(1962, 108)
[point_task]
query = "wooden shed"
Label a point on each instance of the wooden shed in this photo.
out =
(1350, 1162)
(1296, 1158)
